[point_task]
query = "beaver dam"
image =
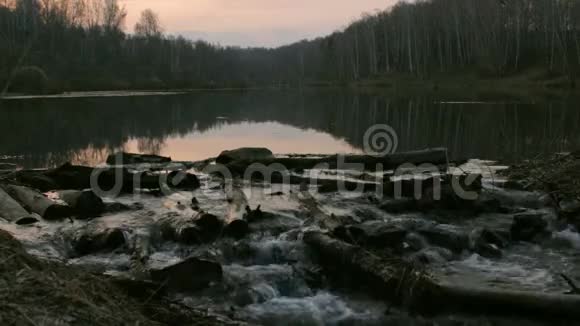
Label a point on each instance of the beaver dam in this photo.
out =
(297, 240)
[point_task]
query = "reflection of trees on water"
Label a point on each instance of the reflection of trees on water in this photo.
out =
(49, 132)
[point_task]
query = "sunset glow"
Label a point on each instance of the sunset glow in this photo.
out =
(253, 22)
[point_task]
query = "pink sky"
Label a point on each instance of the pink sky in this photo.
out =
(253, 22)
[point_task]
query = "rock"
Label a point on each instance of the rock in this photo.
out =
(189, 275)
(528, 226)
(129, 158)
(210, 226)
(375, 234)
(183, 180)
(237, 229)
(116, 207)
(431, 255)
(514, 185)
(495, 238)
(245, 154)
(8, 167)
(570, 206)
(446, 237)
(85, 203)
(399, 206)
(174, 227)
(100, 240)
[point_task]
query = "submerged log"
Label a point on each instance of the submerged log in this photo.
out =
(437, 156)
(10, 209)
(85, 203)
(39, 204)
(402, 284)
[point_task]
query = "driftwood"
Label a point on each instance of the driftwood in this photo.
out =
(85, 203)
(39, 204)
(401, 284)
(10, 209)
(436, 156)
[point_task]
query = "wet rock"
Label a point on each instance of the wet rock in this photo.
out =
(178, 229)
(183, 180)
(528, 226)
(431, 255)
(570, 206)
(399, 206)
(189, 275)
(375, 234)
(210, 226)
(92, 241)
(446, 237)
(116, 207)
(86, 204)
(237, 229)
(130, 158)
(8, 167)
(514, 185)
(495, 237)
(246, 154)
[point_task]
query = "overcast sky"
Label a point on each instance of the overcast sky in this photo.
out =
(253, 22)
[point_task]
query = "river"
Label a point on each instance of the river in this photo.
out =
(264, 278)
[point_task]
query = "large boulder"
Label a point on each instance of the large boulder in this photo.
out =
(189, 275)
(528, 227)
(244, 154)
(130, 158)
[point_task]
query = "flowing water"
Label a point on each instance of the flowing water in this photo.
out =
(266, 277)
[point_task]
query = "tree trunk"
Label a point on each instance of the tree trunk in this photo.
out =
(10, 209)
(39, 204)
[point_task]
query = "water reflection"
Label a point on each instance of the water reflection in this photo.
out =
(48, 132)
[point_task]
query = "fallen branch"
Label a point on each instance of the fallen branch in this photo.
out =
(403, 285)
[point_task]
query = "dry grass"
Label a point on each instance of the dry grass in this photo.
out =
(558, 175)
(35, 292)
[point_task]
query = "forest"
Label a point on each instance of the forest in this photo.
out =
(55, 45)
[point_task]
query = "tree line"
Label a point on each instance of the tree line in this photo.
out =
(83, 44)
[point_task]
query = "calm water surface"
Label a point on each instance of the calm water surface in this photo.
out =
(51, 131)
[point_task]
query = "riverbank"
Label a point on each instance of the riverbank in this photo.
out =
(40, 292)
(529, 84)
